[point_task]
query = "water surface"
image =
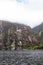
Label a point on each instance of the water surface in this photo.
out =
(23, 57)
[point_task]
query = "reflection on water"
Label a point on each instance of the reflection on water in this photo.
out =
(21, 57)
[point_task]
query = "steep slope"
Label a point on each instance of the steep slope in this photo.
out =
(9, 31)
(14, 33)
(15, 25)
(38, 28)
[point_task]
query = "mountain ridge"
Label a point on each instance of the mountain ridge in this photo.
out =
(38, 28)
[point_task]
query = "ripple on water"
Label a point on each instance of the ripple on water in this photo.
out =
(21, 58)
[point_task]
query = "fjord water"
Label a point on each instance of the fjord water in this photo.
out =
(24, 57)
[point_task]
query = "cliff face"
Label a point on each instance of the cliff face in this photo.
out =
(1, 40)
(14, 34)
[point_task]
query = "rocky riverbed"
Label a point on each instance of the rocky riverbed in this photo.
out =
(23, 57)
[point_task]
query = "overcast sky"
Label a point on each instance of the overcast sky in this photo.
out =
(29, 12)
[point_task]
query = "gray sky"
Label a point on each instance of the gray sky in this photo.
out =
(29, 12)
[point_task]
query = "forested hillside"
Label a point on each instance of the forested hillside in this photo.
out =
(38, 30)
(17, 36)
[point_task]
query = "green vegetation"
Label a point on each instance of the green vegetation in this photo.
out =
(31, 38)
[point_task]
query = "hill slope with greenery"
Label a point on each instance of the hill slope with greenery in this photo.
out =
(14, 33)
(38, 30)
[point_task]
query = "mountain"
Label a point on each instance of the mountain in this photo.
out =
(14, 33)
(38, 28)
(39, 31)
(16, 36)
(15, 25)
